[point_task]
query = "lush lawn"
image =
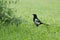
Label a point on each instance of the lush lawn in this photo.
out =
(47, 10)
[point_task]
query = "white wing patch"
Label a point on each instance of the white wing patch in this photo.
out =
(36, 21)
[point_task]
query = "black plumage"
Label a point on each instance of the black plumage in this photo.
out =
(37, 21)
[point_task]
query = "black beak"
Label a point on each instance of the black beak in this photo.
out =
(33, 14)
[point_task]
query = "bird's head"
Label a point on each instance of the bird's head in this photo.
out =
(34, 15)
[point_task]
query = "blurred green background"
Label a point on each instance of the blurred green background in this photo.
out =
(47, 11)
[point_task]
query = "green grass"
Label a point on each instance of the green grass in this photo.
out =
(47, 10)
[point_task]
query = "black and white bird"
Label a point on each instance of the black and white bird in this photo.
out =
(37, 21)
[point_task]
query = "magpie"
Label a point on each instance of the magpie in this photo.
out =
(37, 21)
